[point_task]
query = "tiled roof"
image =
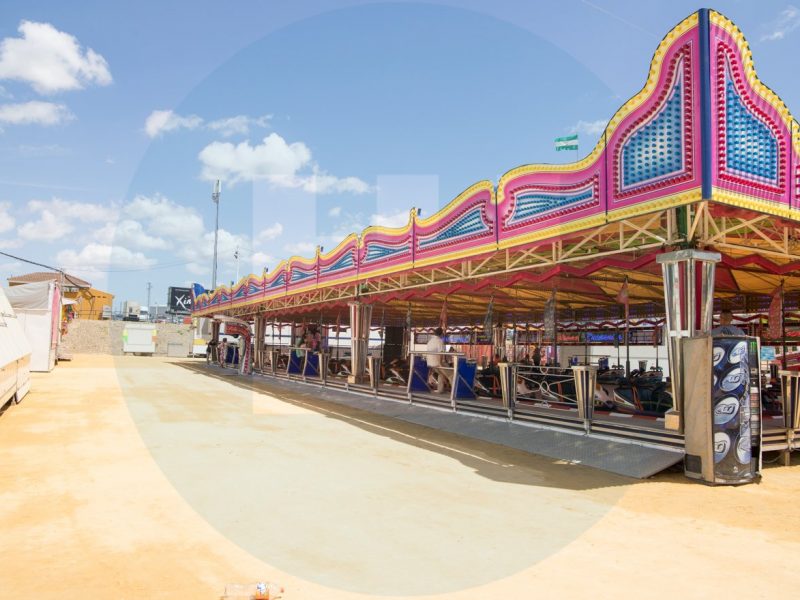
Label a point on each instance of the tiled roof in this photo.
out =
(50, 276)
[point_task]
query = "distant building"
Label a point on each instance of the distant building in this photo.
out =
(89, 303)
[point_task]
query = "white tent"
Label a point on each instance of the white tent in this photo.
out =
(15, 355)
(38, 308)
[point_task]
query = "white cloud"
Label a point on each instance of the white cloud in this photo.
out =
(201, 253)
(336, 211)
(786, 23)
(34, 112)
(7, 222)
(50, 60)
(164, 121)
(238, 125)
(10, 243)
(49, 227)
(99, 257)
(273, 159)
(276, 161)
(591, 128)
(167, 219)
(259, 260)
(398, 219)
(198, 269)
(271, 232)
(55, 218)
(301, 248)
(68, 210)
(131, 234)
(322, 183)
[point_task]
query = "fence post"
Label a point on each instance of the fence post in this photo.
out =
(374, 366)
(585, 381)
(790, 396)
(323, 367)
(508, 386)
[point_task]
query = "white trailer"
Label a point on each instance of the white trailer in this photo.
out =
(15, 355)
(139, 338)
(131, 310)
(38, 309)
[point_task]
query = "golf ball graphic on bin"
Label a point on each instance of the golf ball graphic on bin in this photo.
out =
(744, 447)
(733, 381)
(719, 355)
(726, 411)
(738, 353)
(722, 443)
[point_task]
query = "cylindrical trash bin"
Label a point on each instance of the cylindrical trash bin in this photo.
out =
(790, 396)
(508, 386)
(642, 366)
(324, 358)
(585, 382)
(360, 320)
(374, 367)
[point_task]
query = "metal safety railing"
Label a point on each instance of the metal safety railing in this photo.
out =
(550, 396)
(545, 385)
(790, 400)
(453, 369)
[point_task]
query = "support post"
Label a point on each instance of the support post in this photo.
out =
(215, 325)
(259, 330)
(585, 383)
(360, 321)
(689, 299)
(508, 386)
(790, 398)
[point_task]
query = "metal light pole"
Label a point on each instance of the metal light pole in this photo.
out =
(236, 256)
(215, 199)
(149, 287)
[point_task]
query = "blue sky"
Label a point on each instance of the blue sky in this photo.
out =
(320, 117)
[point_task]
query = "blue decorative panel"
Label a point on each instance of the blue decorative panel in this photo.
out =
(299, 275)
(240, 293)
(469, 224)
(252, 288)
(655, 151)
(377, 251)
(345, 261)
(751, 148)
(530, 205)
(280, 281)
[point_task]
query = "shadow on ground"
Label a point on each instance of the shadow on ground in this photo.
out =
(494, 461)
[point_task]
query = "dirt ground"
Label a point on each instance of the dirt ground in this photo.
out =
(142, 478)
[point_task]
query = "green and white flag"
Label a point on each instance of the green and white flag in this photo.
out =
(569, 142)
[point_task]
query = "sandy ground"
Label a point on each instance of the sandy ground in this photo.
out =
(140, 478)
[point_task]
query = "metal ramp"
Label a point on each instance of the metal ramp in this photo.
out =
(622, 457)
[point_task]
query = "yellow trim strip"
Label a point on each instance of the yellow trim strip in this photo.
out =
(753, 203)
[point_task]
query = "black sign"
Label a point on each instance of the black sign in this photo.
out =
(180, 301)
